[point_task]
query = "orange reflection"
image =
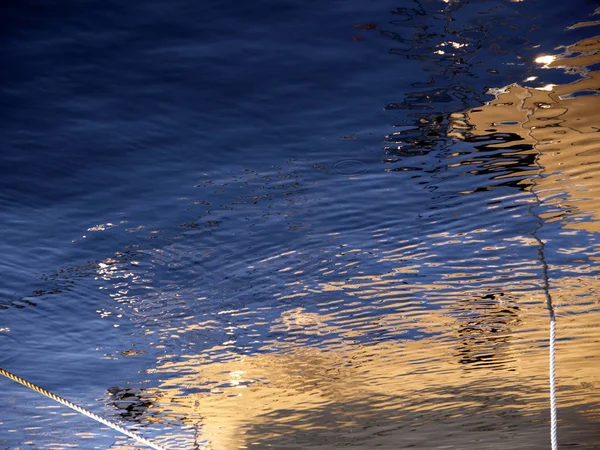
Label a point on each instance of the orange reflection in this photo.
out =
(478, 359)
(303, 396)
(559, 123)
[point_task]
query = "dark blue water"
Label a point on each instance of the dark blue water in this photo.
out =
(179, 178)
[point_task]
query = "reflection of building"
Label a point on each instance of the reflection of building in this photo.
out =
(479, 362)
(414, 393)
(556, 125)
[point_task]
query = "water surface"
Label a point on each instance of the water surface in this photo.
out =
(300, 224)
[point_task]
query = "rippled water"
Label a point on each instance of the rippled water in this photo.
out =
(300, 225)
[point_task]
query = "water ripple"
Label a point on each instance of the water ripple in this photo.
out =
(191, 243)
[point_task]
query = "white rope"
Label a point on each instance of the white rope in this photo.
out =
(79, 409)
(553, 418)
(552, 347)
(545, 288)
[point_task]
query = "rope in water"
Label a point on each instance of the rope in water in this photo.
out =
(554, 419)
(546, 289)
(552, 338)
(552, 351)
(79, 409)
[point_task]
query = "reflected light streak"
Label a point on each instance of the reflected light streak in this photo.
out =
(545, 59)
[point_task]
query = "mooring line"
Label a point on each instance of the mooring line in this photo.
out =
(552, 339)
(553, 419)
(546, 289)
(79, 409)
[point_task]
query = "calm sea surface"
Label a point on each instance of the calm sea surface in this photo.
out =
(296, 225)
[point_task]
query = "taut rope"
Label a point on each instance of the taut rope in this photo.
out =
(81, 410)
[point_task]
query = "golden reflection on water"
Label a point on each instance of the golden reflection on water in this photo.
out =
(476, 372)
(480, 364)
(303, 396)
(559, 124)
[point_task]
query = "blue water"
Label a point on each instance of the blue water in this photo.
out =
(156, 156)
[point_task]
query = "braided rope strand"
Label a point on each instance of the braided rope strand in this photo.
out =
(553, 418)
(552, 339)
(81, 410)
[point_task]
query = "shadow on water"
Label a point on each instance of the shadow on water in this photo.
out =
(387, 301)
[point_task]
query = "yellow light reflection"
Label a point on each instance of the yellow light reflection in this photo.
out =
(479, 357)
(545, 59)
